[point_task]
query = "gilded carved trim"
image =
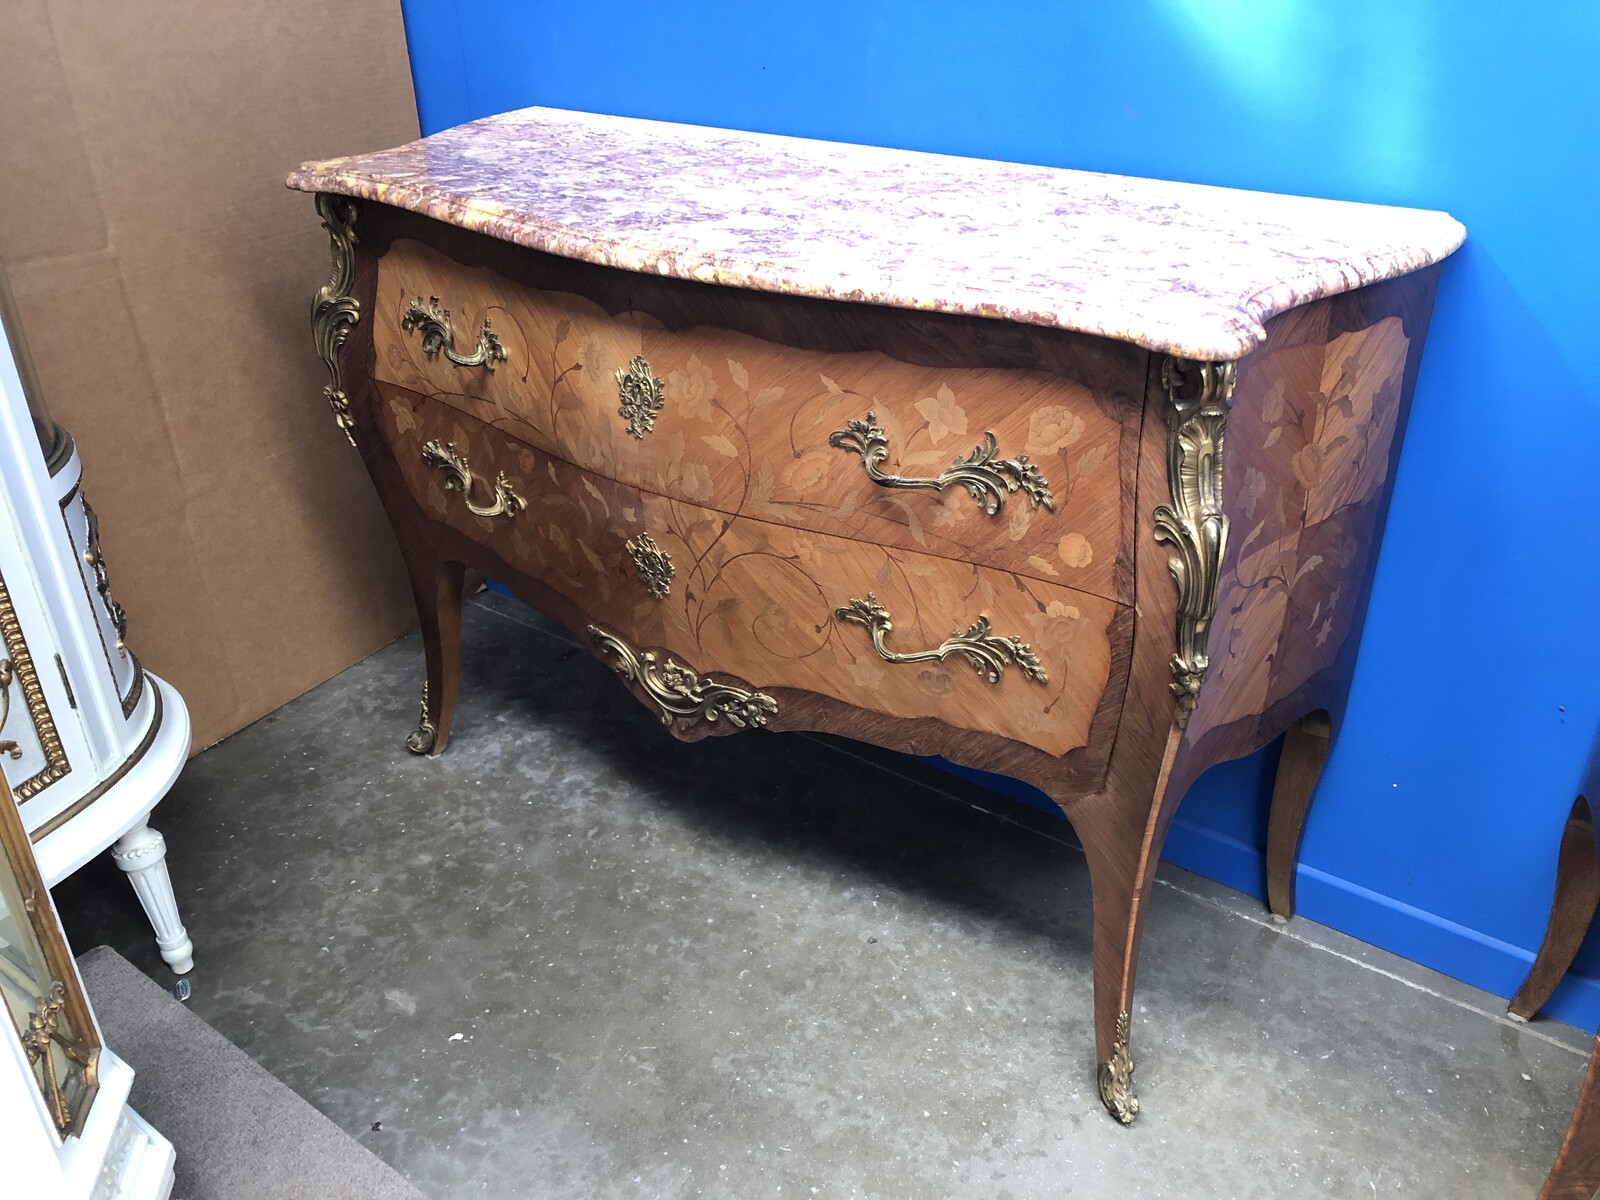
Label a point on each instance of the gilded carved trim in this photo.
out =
(1199, 395)
(683, 696)
(334, 312)
(989, 653)
(16, 647)
(1116, 1076)
(47, 1028)
(95, 559)
(58, 1036)
(987, 478)
(92, 557)
(9, 747)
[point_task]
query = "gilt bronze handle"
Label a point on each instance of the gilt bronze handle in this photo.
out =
(988, 478)
(990, 654)
(653, 565)
(640, 397)
(458, 478)
(434, 322)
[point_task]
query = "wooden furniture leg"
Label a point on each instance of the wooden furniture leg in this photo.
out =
(437, 586)
(1305, 749)
(142, 855)
(1576, 1173)
(1576, 900)
(1121, 889)
(1123, 854)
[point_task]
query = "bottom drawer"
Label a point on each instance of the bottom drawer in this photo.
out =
(779, 608)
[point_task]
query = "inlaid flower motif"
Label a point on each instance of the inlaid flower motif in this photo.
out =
(943, 414)
(691, 390)
(865, 674)
(1255, 486)
(1308, 466)
(598, 359)
(1054, 625)
(1075, 550)
(1052, 427)
(806, 471)
(696, 481)
(403, 420)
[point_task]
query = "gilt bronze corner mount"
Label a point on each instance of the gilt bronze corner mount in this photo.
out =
(1199, 395)
(334, 311)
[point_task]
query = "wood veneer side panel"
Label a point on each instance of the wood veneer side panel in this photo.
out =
(1326, 447)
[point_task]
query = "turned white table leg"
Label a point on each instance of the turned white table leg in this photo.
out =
(142, 853)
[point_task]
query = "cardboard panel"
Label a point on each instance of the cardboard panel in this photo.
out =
(163, 278)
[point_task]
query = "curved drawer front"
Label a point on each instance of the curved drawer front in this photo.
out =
(858, 445)
(762, 601)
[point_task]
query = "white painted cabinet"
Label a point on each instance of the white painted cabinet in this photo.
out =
(89, 740)
(65, 1124)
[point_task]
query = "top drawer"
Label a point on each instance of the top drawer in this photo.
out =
(859, 444)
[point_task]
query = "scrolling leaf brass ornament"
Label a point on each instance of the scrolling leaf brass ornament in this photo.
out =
(641, 396)
(985, 476)
(458, 478)
(334, 312)
(1199, 396)
(434, 322)
(682, 696)
(1116, 1076)
(653, 564)
(990, 654)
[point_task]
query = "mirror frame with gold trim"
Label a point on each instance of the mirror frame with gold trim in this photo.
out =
(80, 1042)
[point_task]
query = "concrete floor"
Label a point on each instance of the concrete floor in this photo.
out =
(574, 958)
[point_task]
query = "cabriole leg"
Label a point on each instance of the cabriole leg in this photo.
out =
(1573, 908)
(1305, 750)
(142, 853)
(437, 587)
(1121, 877)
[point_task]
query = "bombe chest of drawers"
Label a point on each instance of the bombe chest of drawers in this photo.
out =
(1070, 477)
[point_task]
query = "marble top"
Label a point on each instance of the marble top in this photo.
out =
(1175, 267)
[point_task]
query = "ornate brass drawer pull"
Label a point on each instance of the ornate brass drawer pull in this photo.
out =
(458, 478)
(989, 653)
(436, 337)
(641, 396)
(653, 564)
(988, 478)
(681, 695)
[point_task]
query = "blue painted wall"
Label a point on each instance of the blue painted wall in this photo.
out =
(1476, 695)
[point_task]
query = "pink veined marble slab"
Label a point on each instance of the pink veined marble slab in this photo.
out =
(1174, 267)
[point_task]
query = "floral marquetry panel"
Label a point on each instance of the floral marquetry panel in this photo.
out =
(746, 426)
(761, 599)
(1307, 482)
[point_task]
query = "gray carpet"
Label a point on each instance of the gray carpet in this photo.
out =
(239, 1133)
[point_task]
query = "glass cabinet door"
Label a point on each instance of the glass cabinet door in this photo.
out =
(38, 985)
